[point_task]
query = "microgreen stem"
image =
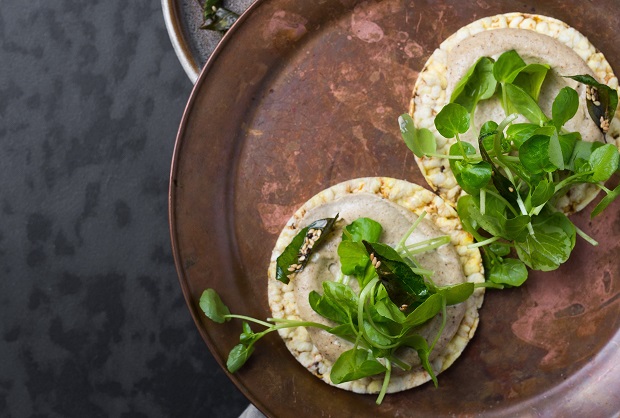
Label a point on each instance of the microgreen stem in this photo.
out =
(483, 243)
(569, 179)
(483, 201)
(362, 301)
(427, 245)
(415, 224)
(386, 381)
(403, 366)
(489, 285)
(458, 139)
(422, 272)
(585, 236)
(447, 157)
(249, 319)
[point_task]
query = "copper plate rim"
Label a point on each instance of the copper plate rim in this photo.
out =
(194, 311)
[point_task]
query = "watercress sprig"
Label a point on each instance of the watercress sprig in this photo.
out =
(519, 170)
(394, 300)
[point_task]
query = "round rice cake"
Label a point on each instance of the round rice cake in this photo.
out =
(433, 88)
(413, 199)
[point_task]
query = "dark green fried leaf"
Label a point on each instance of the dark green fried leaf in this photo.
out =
(602, 101)
(404, 287)
(291, 254)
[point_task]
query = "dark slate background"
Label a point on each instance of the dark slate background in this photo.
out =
(92, 319)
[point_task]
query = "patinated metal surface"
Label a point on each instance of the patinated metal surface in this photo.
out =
(303, 95)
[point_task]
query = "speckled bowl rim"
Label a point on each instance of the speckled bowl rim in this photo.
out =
(187, 60)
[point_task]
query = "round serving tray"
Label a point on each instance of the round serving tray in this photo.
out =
(301, 95)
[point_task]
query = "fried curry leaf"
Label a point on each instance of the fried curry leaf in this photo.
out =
(296, 255)
(601, 101)
(216, 17)
(404, 287)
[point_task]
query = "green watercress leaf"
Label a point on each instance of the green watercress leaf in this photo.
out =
(556, 157)
(564, 107)
(213, 307)
(582, 150)
(238, 356)
(389, 310)
(604, 161)
(543, 191)
(534, 155)
(423, 313)
(363, 229)
(531, 78)
(452, 120)
(355, 364)
(419, 344)
(518, 133)
(510, 272)
(606, 201)
(247, 335)
(474, 176)
(327, 308)
(477, 84)
(420, 141)
(524, 104)
(551, 244)
(508, 66)
(457, 293)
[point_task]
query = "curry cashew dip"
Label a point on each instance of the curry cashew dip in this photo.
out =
(538, 40)
(396, 205)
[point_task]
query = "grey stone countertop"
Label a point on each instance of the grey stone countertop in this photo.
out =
(92, 319)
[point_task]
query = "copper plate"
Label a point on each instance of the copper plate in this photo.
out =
(301, 95)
